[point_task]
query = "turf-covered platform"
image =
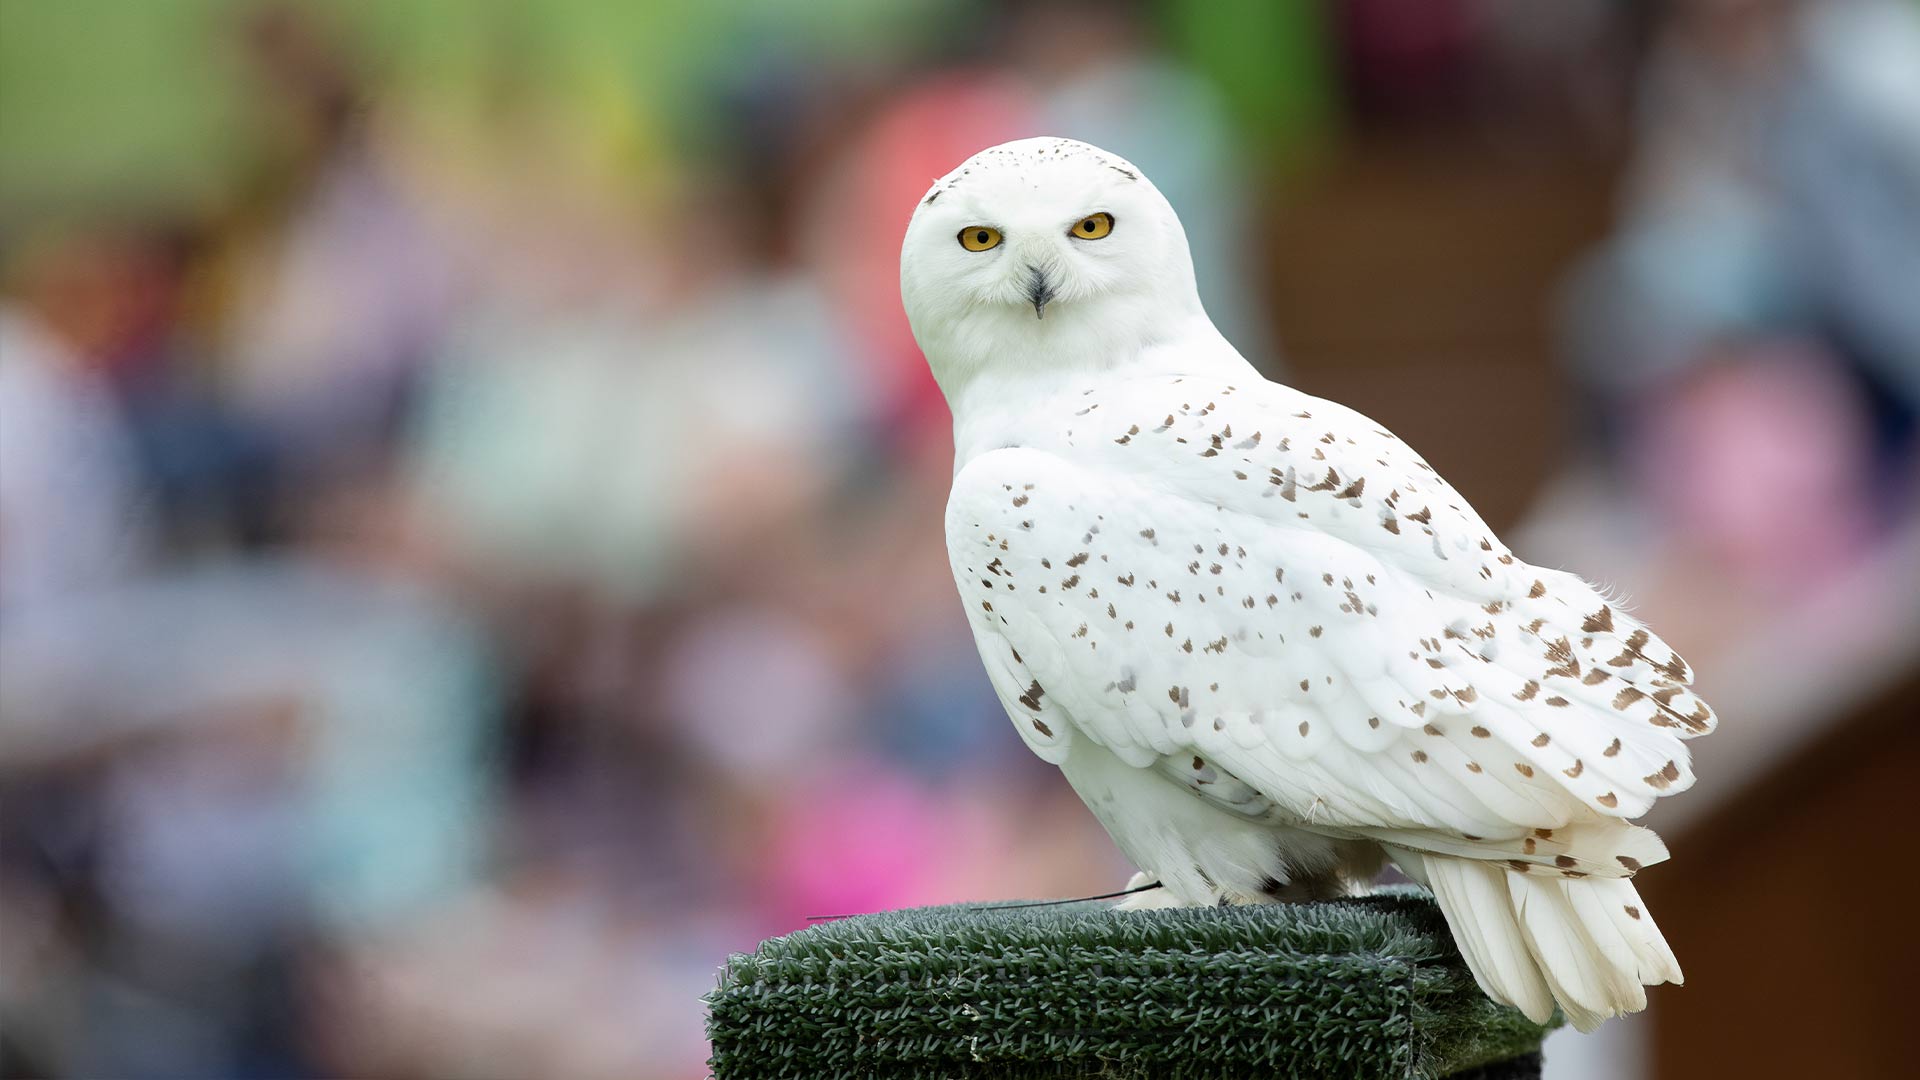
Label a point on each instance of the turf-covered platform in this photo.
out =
(1365, 987)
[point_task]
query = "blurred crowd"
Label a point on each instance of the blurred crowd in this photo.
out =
(470, 553)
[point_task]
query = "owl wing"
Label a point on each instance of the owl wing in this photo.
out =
(1272, 599)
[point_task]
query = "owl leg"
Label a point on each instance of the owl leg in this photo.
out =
(1338, 869)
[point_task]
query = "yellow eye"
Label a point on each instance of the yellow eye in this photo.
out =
(979, 238)
(1092, 227)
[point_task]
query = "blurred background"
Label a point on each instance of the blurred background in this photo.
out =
(470, 546)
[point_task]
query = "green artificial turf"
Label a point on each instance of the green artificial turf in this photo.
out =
(1365, 987)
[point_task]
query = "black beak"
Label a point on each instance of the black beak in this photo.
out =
(1040, 291)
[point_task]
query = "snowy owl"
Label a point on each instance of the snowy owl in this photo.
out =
(1266, 643)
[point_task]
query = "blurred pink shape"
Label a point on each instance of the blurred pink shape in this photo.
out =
(1761, 458)
(856, 235)
(859, 838)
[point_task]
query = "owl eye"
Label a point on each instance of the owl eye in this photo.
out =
(1092, 227)
(979, 238)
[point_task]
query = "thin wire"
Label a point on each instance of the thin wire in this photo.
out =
(1034, 904)
(1076, 900)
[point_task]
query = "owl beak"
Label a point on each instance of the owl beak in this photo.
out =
(1039, 291)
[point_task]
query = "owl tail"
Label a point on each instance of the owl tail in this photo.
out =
(1532, 940)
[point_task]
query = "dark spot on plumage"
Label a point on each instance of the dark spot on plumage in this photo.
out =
(1560, 653)
(1031, 699)
(1600, 622)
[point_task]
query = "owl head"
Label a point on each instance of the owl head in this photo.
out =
(1043, 255)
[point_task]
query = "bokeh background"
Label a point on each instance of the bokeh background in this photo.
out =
(470, 549)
